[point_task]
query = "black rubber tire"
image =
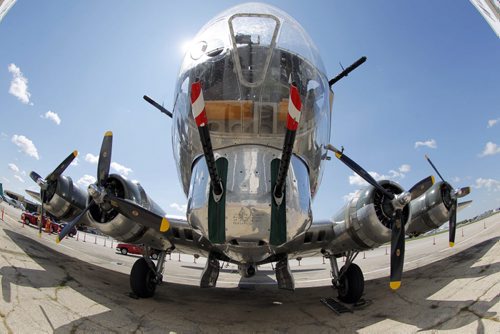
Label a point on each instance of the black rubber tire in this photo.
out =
(124, 251)
(154, 256)
(142, 279)
(27, 221)
(352, 284)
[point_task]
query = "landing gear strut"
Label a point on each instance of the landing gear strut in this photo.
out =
(349, 280)
(145, 275)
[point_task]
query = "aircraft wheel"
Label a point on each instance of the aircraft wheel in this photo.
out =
(154, 256)
(124, 251)
(351, 285)
(142, 279)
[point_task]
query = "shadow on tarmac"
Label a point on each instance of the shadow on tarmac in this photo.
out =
(184, 308)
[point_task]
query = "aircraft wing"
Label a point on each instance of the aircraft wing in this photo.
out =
(310, 243)
(186, 239)
(34, 194)
(463, 205)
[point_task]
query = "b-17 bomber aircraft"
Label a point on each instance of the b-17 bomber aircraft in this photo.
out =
(251, 134)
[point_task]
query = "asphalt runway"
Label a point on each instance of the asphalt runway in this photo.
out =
(81, 286)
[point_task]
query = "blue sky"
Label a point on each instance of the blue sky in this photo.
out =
(432, 76)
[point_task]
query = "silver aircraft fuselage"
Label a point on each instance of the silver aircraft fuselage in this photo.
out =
(246, 59)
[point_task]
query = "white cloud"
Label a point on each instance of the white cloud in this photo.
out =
(13, 168)
(349, 196)
(404, 168)
(74, 162)
(26, 146)
(20, 179)
(120, 168)
(6, 180)
(492, 122)
(19, 84)
(456, 179)
(179, 207)
(357, 180)
(54, 117)
(85, 180)
(490, 149)
(431, 143)
(93, 159)
(490, 184)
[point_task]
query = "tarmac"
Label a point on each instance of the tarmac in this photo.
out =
(81, 286)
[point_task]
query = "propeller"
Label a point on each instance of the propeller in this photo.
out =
(101, 196)
(452, 204)
(395, 203)
(48, 181)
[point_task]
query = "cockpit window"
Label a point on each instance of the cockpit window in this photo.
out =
(253, 38)
(246, 59)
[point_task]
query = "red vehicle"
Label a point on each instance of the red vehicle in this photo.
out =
(135, 249)
(31, 218)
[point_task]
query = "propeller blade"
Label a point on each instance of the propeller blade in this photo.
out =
(421, 187)
(463, 192)
(62, 167)
(397, 251)
(434, 167)
(358, 170)
(104, 158)
(453, 222)
(35, 176)
(69, 226)
(137, 213)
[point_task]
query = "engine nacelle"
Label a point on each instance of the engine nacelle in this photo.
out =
(365, 222)
(430, 210)
(63, 199)
(110, 222)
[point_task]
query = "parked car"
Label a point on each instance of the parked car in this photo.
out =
(71, 233)
(125, 249)
(31, 218)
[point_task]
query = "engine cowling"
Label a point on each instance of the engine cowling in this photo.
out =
(430, 210)
(63, 199)
(107, 219)
(365, 222)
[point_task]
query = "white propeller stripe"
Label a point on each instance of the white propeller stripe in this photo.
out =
(198, 105)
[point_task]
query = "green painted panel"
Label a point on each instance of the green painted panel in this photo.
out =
(217, 210)
(278, 213)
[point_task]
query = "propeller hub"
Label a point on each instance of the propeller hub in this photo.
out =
(456, 193)
(42, 183)
(401, 200)
(97, 193)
